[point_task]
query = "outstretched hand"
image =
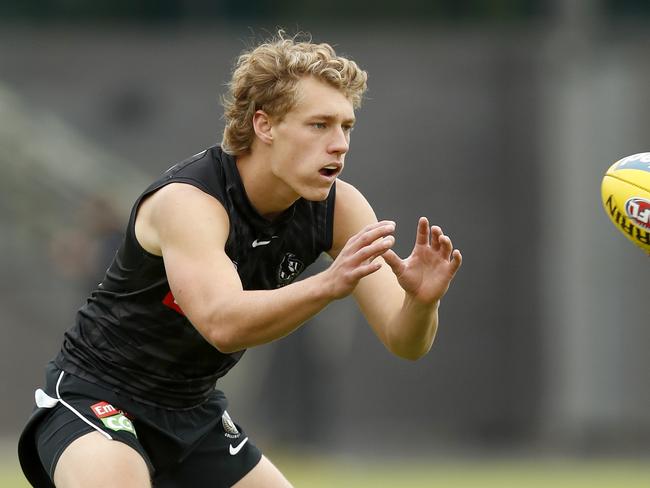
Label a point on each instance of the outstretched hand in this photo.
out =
(426, 274)
(357, 259)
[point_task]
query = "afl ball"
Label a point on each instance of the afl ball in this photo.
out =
(625, 192)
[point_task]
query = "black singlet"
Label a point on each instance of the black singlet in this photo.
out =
(131, 336)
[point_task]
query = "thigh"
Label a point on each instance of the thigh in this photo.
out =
(89, 438)
(94, 460)
(221, 459)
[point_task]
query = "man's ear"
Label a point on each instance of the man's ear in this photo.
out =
(262, 125)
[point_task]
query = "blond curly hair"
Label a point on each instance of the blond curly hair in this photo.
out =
(266, 78)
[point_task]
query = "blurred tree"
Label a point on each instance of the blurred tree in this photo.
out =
(627, 7)
(173, 10)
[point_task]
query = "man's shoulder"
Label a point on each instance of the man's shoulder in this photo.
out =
(185, 198)
(209, 157)
(208, 170)
(348, 197)
(352, 212)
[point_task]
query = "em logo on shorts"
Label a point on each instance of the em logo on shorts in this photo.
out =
(112, 418)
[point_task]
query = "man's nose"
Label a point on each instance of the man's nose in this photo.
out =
(340, 142)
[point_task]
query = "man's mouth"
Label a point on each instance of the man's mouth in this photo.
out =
(331, 169)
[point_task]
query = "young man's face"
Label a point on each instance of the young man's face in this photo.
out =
(310, 143)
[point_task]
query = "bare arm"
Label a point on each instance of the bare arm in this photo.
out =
(400, 301)
(189, 229)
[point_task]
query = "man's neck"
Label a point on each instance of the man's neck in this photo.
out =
(269, 195)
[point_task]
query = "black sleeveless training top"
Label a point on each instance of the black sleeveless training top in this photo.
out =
(131, 336)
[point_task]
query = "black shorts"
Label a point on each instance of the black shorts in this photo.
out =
(198, 447)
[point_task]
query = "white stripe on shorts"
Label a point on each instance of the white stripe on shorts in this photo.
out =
(74, 411)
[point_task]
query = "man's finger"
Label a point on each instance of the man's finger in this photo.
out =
(456, 261)
(394, 261)
(436, 232)
(370, 227)
(375, 249)
(445, 246)
(369, 236)
(366, 269)
(422, 234)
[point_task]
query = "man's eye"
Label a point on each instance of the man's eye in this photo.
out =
(319, 125)
(348, 128)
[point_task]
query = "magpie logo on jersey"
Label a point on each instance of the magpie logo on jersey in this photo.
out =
(112, 418)
(289, 268)
(229, 426)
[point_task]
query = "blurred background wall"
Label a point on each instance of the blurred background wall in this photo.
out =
(496, 119)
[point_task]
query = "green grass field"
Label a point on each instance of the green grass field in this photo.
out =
(502, 474)
(312, 472)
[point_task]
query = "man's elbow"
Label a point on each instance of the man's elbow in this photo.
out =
(411, 353)
(219, 335)
(225, 340)
(411, 356)
(225, 346)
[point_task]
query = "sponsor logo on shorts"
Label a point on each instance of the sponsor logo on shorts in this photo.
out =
(103, 410)
(229, 426)
(235, 449)
(112, 418)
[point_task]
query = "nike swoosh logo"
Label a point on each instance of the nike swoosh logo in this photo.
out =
(235, 450)
(257, 243)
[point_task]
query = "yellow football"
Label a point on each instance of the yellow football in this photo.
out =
(626, 196)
